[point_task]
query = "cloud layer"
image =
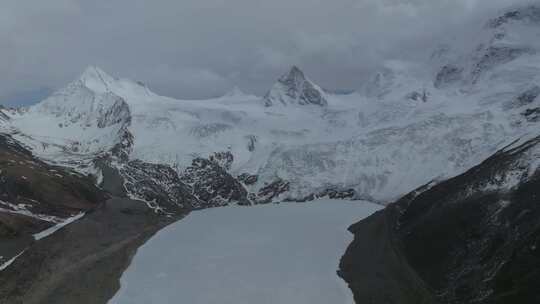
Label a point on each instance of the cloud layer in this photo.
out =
(201, 48)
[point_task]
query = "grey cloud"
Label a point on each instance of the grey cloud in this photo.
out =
(200, 48)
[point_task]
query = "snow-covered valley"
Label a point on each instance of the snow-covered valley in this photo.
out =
(277, 253)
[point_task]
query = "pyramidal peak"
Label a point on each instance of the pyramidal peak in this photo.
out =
(96, 79)
(100, 82)
(295, 88)
(294, 74)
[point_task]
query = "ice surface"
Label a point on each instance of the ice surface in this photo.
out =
(286, 253)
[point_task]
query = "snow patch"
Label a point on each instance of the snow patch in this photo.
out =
(10, 261)
(23, 210)
(53, 229)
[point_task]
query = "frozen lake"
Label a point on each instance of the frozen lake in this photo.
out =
(286, 253)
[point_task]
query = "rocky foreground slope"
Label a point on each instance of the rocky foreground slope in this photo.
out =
(43, 261)
(471, 239)
(35, 196)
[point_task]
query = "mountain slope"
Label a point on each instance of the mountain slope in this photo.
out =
(36, 197)
(63, 239)
(410, 125)
(471, 239)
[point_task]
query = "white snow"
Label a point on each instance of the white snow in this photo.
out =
(286, 253)
(382, 141)
(23, 210)
(53, 229)
(10, 261)
(383, 146)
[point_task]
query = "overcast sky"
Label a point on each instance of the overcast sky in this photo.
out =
(201, 48)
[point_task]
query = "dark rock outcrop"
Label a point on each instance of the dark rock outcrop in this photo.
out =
(222, 159)
(532, 115)
(212, 184)
(447, 76)
(330, 193)
(248, 179)
(252, 142)
(471, 239)
(35, 196)
(271, 191)
(496, 55)
(159, 186)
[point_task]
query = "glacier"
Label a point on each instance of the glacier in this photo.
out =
(412, 124)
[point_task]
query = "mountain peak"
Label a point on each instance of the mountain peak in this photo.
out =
(235, 92)
(295, 88)
(96, 79)
(528, 13)
(294, 73)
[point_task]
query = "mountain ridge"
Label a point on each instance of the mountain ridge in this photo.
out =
(298, 135)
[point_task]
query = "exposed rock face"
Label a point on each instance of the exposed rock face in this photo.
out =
(159, 186)
(222, 159)
(347, 194)
(3, 116)
(471, 239)
(213, 185)
(447, 76)
(252, 142)
(118, 113)
(496, 55)
(124, 146)
(295, 88)
(271, 191)
(248, 179)
(532, 115)
(205, 184)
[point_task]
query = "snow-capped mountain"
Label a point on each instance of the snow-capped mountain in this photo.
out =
(294, 88)
(504, 51)
(408, 126)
